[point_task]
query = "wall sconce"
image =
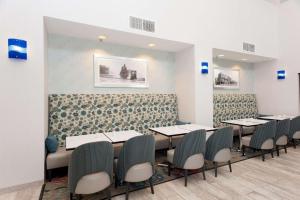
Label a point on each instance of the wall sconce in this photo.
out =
(281, 74)
(204, 67)
(17, 49)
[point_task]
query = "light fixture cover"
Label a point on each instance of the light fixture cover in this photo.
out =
(204, 67)
(281, 74)
(17, 49)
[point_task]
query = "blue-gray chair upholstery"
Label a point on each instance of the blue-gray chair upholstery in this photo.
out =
(136, 161)
(218, 147)
(90, 168)
(295, 130)
(189, 153)
(262, 139)
(282, 134)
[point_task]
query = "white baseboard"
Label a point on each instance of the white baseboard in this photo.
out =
(21, 187)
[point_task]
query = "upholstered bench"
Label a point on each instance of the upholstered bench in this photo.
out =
(234, 106)
(57, 160)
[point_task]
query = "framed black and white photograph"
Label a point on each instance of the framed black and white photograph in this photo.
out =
(226, 78)
(120, 72)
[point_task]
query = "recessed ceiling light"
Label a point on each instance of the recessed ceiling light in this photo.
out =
(102, 37)
(221, 55)
(151, 45)
(244, 59)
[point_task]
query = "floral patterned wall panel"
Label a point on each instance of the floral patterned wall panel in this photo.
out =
(233, 106)
(77, 114)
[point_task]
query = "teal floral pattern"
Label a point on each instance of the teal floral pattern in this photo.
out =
(80, 114)
(233, 106)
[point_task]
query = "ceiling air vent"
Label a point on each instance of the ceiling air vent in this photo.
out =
(248, 47)
(142, 24)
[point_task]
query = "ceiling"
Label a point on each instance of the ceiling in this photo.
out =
(237, 56)
(74, 29)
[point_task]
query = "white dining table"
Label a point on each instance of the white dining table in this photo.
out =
(73, 142)
(247, 122)
(277, 117)
(177, 130)
(121, 136)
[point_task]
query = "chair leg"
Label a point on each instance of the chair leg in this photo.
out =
(185, 177)
(272, 153)
(216, 168)
(203, 172)
(263, 155)
(151, 185)
(294, 142)
(49, 175)
(78, 197)
(243, 150)
(285, 149)
(277, 150)
(127, 190)
(169, 169)
(108, 193)
(116, 181)
(229, 163)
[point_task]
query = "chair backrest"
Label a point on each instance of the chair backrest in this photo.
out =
(283, 128)
(191, 144)
(137, 150)
(220, 139)
(88, 159)
(262, 133)
(295, 126)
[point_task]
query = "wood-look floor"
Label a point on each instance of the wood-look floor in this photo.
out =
(274, 179)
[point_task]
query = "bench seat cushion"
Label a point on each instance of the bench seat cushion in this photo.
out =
(58, 159)
(161, 142)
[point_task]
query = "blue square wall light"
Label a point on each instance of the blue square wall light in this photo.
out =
(17, 49)
(281, 74)
(204, 67)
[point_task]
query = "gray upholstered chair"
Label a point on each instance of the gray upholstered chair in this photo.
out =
(262, 139)
(295, 130)
(90, 169)
(136, 162)
(218, 147)
(282, 133)
(189, 153)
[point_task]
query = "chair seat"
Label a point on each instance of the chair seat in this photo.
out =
(170, 155)
(93, 183)
(139, 172)
(58, 159)
(283, 140)
(296, 135)
(246, 140)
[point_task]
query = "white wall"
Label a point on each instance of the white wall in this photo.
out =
(206, 23)
(70, 66)
(185, 84)
(246, 75)
(282, 96)
(22, 101)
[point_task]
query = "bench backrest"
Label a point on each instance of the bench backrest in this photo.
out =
(78, 114)
(233, 106)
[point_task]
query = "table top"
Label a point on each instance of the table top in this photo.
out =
(194, 127)
(246, 122)
(73, 142)
(176, 130)
(277, 117)
(121, 136)
(170, 131)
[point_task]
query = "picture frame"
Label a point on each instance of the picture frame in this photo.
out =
(226, 78)
(120, 72)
